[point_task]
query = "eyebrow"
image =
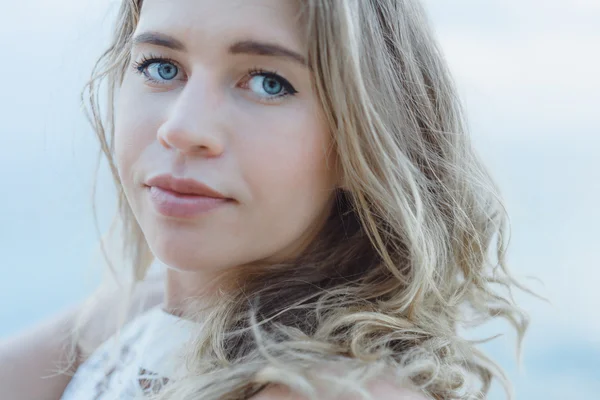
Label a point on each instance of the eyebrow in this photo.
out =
(265, 49)
(252, 47)
(158, 39)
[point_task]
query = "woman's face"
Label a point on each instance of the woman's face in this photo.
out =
(219, 93)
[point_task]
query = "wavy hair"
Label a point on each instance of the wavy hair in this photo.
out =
(414, 247)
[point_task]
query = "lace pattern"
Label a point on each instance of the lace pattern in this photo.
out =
(142, 363)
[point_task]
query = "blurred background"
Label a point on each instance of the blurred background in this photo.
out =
(527, 71)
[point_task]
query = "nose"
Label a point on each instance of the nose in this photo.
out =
(193, 125)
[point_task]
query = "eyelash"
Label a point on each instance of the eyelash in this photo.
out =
(140, 68)
(146, 61)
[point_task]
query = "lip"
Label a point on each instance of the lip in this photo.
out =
(184, 186)
(183, 198)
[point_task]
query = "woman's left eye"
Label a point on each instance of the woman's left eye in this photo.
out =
(268, 85)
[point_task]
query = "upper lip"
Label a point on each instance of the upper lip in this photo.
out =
(184, 186)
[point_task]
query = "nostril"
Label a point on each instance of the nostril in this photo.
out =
(163, 142)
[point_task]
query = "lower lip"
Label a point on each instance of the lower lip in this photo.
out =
(179, 205)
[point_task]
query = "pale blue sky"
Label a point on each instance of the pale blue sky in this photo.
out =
(527, 71)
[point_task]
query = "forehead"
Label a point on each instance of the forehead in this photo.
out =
(197, 22)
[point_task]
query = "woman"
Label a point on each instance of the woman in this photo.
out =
(301, 171)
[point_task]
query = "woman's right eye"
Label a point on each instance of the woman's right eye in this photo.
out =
(157, 70)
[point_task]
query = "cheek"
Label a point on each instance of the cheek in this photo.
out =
(290, 165)
(136, 122)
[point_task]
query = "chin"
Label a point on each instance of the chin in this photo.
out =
(190, 256)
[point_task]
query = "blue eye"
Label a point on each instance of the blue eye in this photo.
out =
(157, 69)
(165, 71)
(269, 85)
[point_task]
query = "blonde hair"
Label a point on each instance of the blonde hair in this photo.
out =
(414, 246)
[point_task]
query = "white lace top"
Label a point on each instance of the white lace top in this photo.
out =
(147, 356)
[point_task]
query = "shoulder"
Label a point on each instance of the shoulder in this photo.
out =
(99, 320)
(379, 389)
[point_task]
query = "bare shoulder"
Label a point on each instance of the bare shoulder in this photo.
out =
(102, 321)
(378, 389)
(30, 360)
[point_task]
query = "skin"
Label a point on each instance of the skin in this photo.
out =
(210, 119)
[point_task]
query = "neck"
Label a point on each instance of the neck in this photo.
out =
(188, 292)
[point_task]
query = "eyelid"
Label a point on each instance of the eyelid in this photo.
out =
(289, 89)
(146, 61)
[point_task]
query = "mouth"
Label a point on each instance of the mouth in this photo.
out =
(184, 186)
(183, 198)
(183, 205)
